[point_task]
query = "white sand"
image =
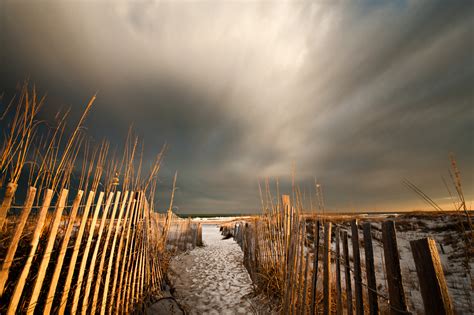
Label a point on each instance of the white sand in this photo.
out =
(212, 279)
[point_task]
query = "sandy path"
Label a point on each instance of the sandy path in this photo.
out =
(212, 279)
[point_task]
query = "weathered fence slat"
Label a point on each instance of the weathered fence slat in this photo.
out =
(127, 218)
(6, 203)
(47, 252)
(140, 275)
(104, 251)
(75, 253)
(370, 269)
(357, 268)
(90, 275)
(135, 273)
(305, 288)
(112, 253)
(289, 270)
(82, 268)
(327, 277)
(138, 251)
(15, 299)
(338, 273)
(127, 288)
(347, 270)
(123, 265)
(62, 253)
(396, 293)
(30, 198)
(434, 290)
(300, 256)
(315, 269)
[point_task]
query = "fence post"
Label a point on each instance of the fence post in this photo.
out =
(396, 293)
(430, 272)
(370, 269)
(327, 291)
(347, 270)
(357, 269)
(338, 273)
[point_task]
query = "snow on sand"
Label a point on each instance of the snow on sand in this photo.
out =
(212, 279)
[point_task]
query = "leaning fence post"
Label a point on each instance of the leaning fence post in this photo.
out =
(369, 266)
(434, 290)
(347, 270)
(357, 269)
(327, 291)
(396, 293)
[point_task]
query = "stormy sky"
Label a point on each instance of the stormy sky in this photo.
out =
(358, 94)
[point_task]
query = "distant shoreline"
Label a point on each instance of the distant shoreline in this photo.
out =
(325, 213)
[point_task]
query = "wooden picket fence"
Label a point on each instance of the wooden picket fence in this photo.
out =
(284, 249)
(103, 253)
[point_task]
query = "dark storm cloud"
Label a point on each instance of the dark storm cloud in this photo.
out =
(358, 94)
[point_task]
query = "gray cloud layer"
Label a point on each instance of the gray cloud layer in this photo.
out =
(358, 94)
